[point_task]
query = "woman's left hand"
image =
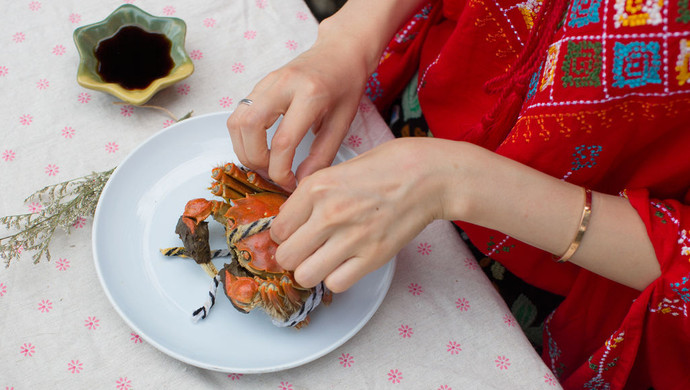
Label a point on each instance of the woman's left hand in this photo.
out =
(345, 221)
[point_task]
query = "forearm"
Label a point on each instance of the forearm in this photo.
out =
(542, 211)
(368, 24)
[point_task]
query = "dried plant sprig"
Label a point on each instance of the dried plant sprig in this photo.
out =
(62, 205)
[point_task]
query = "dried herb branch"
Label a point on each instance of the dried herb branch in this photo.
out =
(62, 205)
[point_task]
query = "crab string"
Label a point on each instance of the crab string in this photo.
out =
(202, 312)
(243, 231)
(309, 305)
(179, 251)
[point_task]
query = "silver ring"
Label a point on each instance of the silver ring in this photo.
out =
(246, 101)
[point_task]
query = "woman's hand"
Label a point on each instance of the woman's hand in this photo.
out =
(348, 220)
(320, 89)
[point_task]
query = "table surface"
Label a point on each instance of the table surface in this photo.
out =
(441, 325)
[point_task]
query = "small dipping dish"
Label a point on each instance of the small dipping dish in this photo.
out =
(132, 55)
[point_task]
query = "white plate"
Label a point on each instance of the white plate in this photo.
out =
(155, 295)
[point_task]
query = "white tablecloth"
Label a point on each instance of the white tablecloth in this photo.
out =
(441, 326)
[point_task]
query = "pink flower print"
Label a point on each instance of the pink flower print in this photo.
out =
(291, 45)
(301, 15)
(196, 54)
(346, 360)
(364, 107)
(92, 323)
(19, 37)
(52, 170)
(26, 119)
(123, 384)
(235, 377)
(394, 376)
(4, 71)
(75, 366)
(462, 304)
(509, 320)
(415, 289)
(169, 10)
(354, 141)
(3, 289)
(59, 50)
(84, 97)
(444, 387)
(502, 362)
(424, 248)
(127, 110)
(225, 101)
(209, 22)
(453, 347)
(67, 132)
(27, 349)
(74, 18)
(285, 386)
(471, 263)
(42, 84)
(261, 3)
(249, 34)
(111, 147)
(549, 379)
(135, 338)
(183, 89)
(238, 67)
(34, 6)
(405, 331)
(34, 207)
(62, 264)
(8, 155)
(45, 306)
(168, 123)
(79, 223)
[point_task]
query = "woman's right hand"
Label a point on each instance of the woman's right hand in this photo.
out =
(320, 89)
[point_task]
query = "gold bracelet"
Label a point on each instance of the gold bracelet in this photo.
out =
(584, 221)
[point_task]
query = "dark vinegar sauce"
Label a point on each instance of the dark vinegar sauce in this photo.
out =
(134, 57)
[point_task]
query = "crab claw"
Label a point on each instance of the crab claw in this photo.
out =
(195, 211)
(242, 291)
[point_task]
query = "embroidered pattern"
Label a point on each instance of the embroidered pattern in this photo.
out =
(598, 382)
(584, 12)
(631, 13)
(582, 64)
(683, 62)
(682, 288)
(533, 83)
(585, 156)
(683, 11)
(636, 64)
(529, 10)
(550, 66)
(373, 90)
(674, 307)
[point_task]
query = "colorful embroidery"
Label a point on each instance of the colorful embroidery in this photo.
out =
(631, 13)
(533, 83)
(529, 10)
(554, 352)
(373, 90)
(584, 12)
(550, 66)
(585, 156)
(636, 64)
(683, 11)
(682, 288)
(683, 62)
(598, 382)
(582, 64)
(674, 307)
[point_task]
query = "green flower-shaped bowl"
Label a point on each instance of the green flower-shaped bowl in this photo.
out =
(87, 38)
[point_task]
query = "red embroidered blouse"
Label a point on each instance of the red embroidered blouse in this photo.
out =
(608, 108)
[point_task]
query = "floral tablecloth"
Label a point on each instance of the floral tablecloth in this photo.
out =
(441, 325)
